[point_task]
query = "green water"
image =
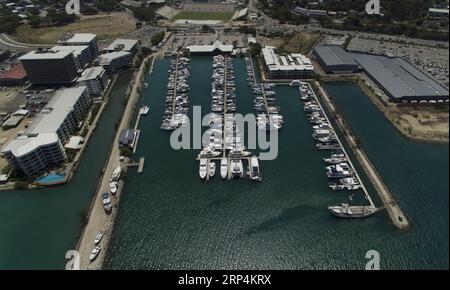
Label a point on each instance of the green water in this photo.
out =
(38, 227)
(170, 219)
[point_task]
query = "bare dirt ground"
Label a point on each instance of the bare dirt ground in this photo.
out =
(302, 42)
(422, 123)
(104, 25)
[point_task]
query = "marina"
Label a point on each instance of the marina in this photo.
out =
(341, 168)
(233, 225)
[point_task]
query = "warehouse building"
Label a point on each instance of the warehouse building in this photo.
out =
(292, 66)
(215, 48)
(75, 39)
(50, 67)
(401, 81)
(40, 148)
(334, 59)
(95, 80)
(115, 61)
(129, 45)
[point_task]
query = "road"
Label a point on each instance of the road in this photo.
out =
(8, 42)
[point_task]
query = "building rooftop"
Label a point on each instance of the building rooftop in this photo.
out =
(398, 77)
(16, 72)
(54, 113)
(45, 55)
(334, 55)
(215, 47)
(91, 73)
(106, 58)
(77, 38)
(122, 44)
(75, 49)
(294, 61)
(23, 145)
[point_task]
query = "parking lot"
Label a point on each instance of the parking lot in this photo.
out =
(431, 59)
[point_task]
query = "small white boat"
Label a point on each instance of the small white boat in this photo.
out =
(144, 110)
(254, 167)
(224, 168)
(113, 186)
(212, 168)
(203, 170)
(94, 253)
(145, 85)
(237, 169)
(346, 211)
(116, 174)
(98, 238)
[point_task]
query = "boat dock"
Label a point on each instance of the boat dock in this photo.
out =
(175, 85)
(139, 165)
(363, 187)
(396, 215)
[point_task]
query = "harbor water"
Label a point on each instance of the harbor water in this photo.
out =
(169, 219)
(38, 227)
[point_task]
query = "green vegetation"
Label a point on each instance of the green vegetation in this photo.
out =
(247, 30)
(157, 38)
(126, 151)
(71, 154)
(255, 49)
(203, 16)
(95, 108)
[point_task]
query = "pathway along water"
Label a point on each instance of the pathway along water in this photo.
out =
(169, 219)
(38, 227)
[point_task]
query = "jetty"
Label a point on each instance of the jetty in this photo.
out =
(363, 187)
(139, 165)
(396, 215)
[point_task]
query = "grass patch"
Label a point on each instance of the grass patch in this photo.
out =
(223, 16)
(105, 26)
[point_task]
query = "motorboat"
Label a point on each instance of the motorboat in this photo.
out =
(98, 238)
(203, 170)
(144, 110)
(336, 159)
(208, 152)
(212, 168)
(237, 169)
(95, 252)
(224, 168)
(113, 186)
(116, 174)
(254, 167)
(349, 183)
(338, 172)
(347, 211)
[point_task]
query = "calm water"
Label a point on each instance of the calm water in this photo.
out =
(170, 219)
(38, 227)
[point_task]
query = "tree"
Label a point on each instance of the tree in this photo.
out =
(255, 49)
(34, 21)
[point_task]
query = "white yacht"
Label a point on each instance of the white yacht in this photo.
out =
(346, 211)
(98, 238)
(224, 168)
(113, 186)
(203, 170)
(254, 167)
(208, 152)
(95, 253)
(144, 110)
(212, 168)
(237, 169)
(116, 174)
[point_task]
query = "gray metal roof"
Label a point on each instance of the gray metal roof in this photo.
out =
(398, 77)
(334, 55)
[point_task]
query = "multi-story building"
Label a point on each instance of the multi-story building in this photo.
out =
(129, 45)
(115, 61)
(81, 53)
(95, 79)
(50, 66)
(75, 39)
(40, 148)
(292, 66)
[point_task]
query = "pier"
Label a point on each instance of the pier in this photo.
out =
(175, 86)
(396, 215)
(366, 192)
(139, 165)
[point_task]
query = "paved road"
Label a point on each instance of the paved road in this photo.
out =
(8, 42)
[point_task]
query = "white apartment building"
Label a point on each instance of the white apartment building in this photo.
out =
(95, 80)
(291, 66)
